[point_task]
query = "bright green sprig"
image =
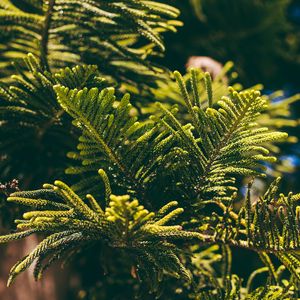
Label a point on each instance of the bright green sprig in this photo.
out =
(68, 222)
(221, 141)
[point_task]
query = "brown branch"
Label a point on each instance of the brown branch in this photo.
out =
(45, 35)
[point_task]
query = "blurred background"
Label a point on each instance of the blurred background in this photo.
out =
(261, 38)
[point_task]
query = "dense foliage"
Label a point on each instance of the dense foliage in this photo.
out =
(151, 189)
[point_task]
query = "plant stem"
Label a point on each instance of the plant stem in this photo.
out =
(45, 35)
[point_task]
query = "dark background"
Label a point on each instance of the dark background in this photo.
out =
(261, 37)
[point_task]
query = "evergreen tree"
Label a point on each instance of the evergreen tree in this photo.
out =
(150, 188)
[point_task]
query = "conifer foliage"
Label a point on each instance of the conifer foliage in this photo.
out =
(123, 224)
(107, 33)
(152, 193)
(29, 111)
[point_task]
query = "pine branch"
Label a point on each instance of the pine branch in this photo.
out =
(29, 111)
(221, 141)
(131, 151)
(130, 32)
(271, 225)
(123, 224)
